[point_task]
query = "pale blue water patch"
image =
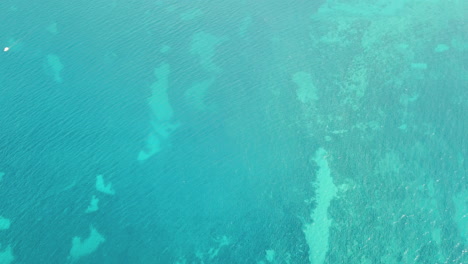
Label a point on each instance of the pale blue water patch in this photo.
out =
(54, 67)
(204, 46)
(162, 122)
(317, 233)
(53, 28)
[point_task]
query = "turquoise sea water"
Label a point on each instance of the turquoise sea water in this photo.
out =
(186, 132)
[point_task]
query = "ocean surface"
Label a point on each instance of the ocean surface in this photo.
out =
(232, 132)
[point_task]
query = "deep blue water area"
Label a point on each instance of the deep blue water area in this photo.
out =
(232, 132)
